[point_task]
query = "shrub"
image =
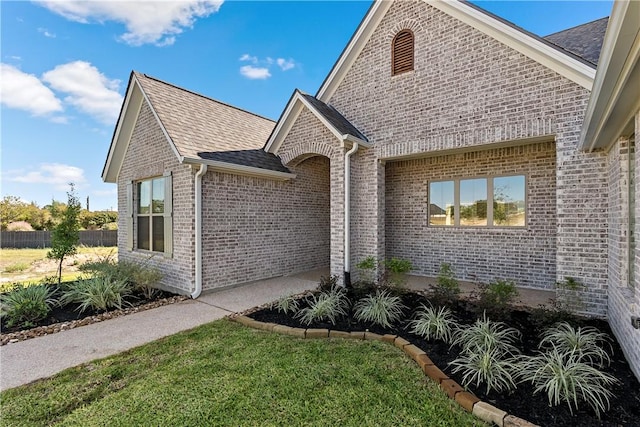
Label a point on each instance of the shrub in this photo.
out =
(286, 304)
(367, 270)
(434, 324)
(19, 226)
(327, 306)
(141, 276)
(381, 308)
(585, 341)
(568, 295)
(144, 278)
(447, 289)
(327, 283)
(98, 293)
(16, 268)
(24, 306)
(489, 368)
(396, 269)
(496, 297)
(486, 335)
(566, 378)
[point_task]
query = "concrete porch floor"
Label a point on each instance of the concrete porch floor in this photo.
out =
(527, 297)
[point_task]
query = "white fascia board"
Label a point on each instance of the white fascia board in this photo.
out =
(239, 169)
(123, 132)
(352, 51)
(354, 140)
(614, 99)
(563, 64)
(289, 117)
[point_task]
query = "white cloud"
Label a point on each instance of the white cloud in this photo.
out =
(263, 71)
(155, 22)
(88, 89)
(285, 64)
(46, 33)
(247, 57)
(254, 73)
(55, 174)
(26, 92)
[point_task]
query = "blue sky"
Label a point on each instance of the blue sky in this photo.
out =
(65, 67)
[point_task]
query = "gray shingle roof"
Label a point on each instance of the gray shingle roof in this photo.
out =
(584, 40)
(257, 158)
(336, 119)
(203, 128)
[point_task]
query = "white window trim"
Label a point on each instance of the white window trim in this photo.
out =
(133, 196)
(456, 200)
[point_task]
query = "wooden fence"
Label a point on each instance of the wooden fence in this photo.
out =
(42, 239)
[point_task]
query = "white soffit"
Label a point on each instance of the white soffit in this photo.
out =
(615, 98)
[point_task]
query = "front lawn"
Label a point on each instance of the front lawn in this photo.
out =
(226, 374)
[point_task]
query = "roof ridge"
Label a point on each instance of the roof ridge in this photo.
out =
(204, 96)
(575, 26)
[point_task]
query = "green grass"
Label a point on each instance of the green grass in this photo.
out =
(226, 374)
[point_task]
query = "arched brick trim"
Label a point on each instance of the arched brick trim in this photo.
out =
(406, 24)
(308, 149)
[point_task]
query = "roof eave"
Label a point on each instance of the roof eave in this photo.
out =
(562, 63)
(235, 169)
(614, 100)
(123, 131)
(291, 113)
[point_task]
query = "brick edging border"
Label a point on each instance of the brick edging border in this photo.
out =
(467, 400)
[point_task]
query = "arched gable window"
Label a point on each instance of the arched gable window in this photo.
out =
(402, 52)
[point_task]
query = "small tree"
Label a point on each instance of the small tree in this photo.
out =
(65, 235)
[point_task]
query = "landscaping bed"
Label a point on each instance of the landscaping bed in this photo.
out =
(522, 402)
(107, 289)
(69, 317)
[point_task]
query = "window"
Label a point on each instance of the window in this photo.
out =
(153, 222)
(402, 52)
(478, 202)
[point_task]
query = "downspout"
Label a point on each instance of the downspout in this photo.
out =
(347, 214)
(198, 231)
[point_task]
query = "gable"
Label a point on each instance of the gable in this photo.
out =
(466, 89)
(561, 62)
(333, 121)
(198, 129)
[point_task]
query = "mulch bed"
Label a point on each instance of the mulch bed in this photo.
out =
(625, 405)
(70, 317)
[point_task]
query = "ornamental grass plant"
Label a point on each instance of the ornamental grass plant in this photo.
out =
(327, 306)
(23, 306)
(380, 308)
(434, 324)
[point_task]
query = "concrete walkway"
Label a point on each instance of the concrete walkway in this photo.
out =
(27, 361)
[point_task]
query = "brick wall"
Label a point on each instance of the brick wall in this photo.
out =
(526, 255)
(624, 285)
(149, 155)
(257, 228)
(468, 90)
(308, 137)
